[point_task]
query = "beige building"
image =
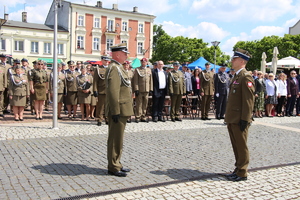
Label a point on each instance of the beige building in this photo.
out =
(32, 41)
(93, 29)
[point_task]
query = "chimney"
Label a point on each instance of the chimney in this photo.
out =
(99, 4)
(135, 9)
(24, 16)
(115, 6)
(6, 16)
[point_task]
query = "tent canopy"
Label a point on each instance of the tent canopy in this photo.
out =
(287, 62)
(136, 63)
(200, 63)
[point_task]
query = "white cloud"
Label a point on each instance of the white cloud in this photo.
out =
(262, 31)
(205, 30)
(241, 10)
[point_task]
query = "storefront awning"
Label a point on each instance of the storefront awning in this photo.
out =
(50, 60)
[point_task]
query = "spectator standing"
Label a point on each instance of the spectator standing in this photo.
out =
(196, 87)
(282, 92)
(142, 85)
(272, 94)
(206, 90)
(160, 89)
(292, 93)
(260, 94)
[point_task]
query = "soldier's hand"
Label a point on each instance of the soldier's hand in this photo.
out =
(95, 94)
(136, 93)
(202, 93)
(243, 124)
(115, 118)
(150, 93)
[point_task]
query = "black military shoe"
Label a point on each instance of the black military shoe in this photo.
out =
(155, 119)
(125, 169)
(1, 115)
(178, 119)
(173, 119)
(206, 118)
(99, 124)
(161, 119)
(236, 178)
(203, 118)
(119, 173)
(137, 120)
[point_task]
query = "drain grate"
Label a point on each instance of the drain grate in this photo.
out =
(98, 194)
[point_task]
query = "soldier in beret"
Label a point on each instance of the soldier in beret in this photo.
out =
(118, 108)
(142, 85)
(239, 113)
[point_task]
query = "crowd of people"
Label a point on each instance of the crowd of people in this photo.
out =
(83, 85)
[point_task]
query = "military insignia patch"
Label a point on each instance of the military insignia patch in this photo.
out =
(249, 84)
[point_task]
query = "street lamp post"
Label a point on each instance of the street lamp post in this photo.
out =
(215, 44)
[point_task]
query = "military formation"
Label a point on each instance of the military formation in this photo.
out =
(113, 92)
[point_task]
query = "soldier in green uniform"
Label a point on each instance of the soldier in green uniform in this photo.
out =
(39, 87)
(61, 88)
(18, 91)
(99, 88)
(71, 99)
(3, 82)
(142, 85)
(207, 90)
(238, 114)
(118, 108)
(176, 90)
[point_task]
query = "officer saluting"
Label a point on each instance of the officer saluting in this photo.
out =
(118, 108)
(239, 113)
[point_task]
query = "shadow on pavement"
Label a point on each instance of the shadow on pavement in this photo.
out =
(66, 169)
(184, 174)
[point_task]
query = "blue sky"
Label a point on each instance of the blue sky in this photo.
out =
(227, 21)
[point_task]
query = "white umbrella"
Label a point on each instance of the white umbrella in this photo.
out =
(274, 60)
(263, 62)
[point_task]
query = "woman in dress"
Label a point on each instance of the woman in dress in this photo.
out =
(260, 93)
(282, 92)
(39, 88)
(61, 89)
(84, 83)
(272, 93)
(18, 92)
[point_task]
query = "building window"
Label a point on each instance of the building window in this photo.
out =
(140, 48)
(96, 44)
(34, 47)
(141, 28)
(80, 20)
(97, 23)
(110, 25)
(2, 44)
(80, 42)
(47, 48)
(124, 26)
(109, 43)
(19, 45)
(124, 41)
(60, 49)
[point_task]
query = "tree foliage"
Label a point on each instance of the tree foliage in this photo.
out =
(289, 45)
(182, 49)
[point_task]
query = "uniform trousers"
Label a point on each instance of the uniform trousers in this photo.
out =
(141, 104)
(5, 99)
(100, 107)
(238, 140)
(221, 105)
(175, 105)
(205, 105)
(115, 143)
(1, 102)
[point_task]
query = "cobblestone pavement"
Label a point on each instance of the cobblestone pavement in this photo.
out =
(169, 160)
